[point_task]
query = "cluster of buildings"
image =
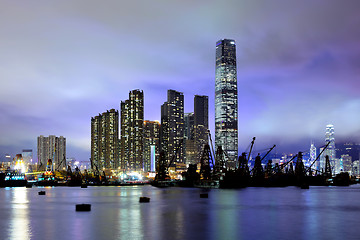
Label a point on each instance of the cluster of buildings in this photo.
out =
(343, 158)
(124, 140)
(136, 144)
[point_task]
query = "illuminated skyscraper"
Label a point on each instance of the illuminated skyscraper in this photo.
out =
(201, 124)
(132, 131)
(329, 137)
(226, 100)
(53, 148)
(104, 140)
(190, 147)
(313, 156)
(151, 144)
(330, 150)
(172, 126)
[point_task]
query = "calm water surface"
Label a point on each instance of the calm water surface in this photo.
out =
(179, 213)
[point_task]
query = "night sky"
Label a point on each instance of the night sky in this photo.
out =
(63, 62)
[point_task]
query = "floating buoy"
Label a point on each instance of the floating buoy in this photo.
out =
(204, 195)
(83, 186)
(144, 199)
(42, 193)
(83, 207)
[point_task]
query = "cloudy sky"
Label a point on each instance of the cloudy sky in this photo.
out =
(63, 62)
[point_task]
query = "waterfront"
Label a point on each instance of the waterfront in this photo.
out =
(179, 213)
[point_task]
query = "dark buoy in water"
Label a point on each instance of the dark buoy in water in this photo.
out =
(83, 186)
(204, 195)
(144, 199)
(42, 193)
(83, 207)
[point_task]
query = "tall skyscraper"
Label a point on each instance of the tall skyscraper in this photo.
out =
(201, 124)
(53, 148)
(151, 145)
(172, 126)
(226, 100)
(313, 156)
(329, 137)
(190, 146)
(189, 126)
(132, 131)
(330, 150)
(104, 140)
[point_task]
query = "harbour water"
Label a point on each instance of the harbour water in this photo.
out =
(180, 213)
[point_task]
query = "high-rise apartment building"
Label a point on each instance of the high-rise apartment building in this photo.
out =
(172, 126)
(189, 126)
(201, 124)
(226, 100)
(151, 145)
(132, 132)
(104, 141)
(190, 147)
(53, 148)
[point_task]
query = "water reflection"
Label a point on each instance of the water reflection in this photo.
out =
(177, 213)
(19, 221)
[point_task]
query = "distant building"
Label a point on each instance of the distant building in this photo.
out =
(330, 137)
(313, 156)
(346, 163)
(356, 168)
(330, 150)
(53, 148)
(104, 140)
(226, 100)
(27, 155)
(151, 145)
(132, 132)
(172, 127)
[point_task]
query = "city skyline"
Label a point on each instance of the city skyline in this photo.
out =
(62, 63)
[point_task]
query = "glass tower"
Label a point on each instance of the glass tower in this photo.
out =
(226, 100)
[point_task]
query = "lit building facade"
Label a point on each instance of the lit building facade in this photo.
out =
(330, 151)
(172, 127)
(53, 148)
(313, 156)
(346, 163)
(104, 141)
(226, 100)
(190, 148)
(132, 132)
(201, 124)
(151, 145)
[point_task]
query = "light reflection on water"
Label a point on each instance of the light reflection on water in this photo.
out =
(179, 213)
(19, 227)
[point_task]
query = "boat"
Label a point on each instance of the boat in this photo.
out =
(12, 179)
